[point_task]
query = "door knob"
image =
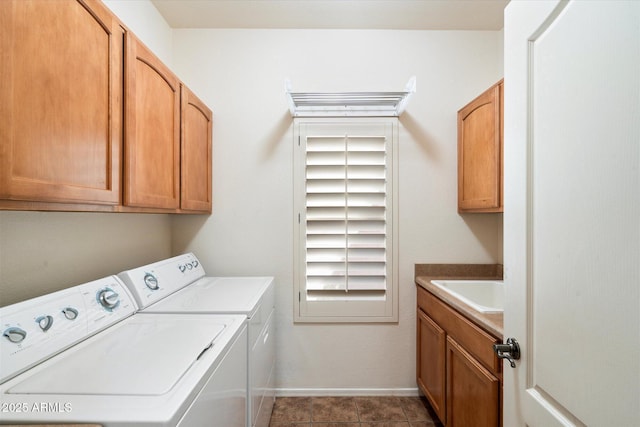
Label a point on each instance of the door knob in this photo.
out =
(509, 351)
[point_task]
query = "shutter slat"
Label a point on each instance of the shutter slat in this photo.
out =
(346, 209)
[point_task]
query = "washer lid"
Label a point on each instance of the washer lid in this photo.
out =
(143, 355)
(239, 295)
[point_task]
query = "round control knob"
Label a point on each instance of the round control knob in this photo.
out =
(70, 313)
(45, 322)
(151, 282)
(108, 298)
(15, 335)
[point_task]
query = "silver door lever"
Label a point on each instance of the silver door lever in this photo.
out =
(509, 351)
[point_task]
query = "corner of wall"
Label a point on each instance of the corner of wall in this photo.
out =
(146, 22)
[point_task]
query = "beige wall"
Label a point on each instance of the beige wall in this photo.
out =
(41, 252)
(240, 74)
(144, 20)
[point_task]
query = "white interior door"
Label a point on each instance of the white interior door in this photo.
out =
(572, 212)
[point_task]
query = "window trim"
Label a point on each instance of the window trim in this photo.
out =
(367, 307)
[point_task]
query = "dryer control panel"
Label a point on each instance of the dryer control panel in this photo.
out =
(153, 282)
(41, 327)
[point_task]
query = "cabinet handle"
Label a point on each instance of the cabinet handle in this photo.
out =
(509, 351)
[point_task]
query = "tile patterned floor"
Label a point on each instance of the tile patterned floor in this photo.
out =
(376, 411)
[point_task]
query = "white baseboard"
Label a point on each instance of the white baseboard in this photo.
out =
(295, 392)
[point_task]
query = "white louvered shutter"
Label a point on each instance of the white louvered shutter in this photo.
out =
(345, 219)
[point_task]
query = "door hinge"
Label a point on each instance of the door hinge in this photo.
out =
(298, 140)
(299, 297)
(298, 218)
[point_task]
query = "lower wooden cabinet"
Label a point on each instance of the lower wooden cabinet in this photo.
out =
(431, 362)
(473, 393)
(456, 368)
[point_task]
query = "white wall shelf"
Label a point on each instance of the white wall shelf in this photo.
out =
(349, 104)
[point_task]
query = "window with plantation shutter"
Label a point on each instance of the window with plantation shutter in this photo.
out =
(344, 205)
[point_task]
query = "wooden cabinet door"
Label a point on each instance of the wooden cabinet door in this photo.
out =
(60, 102)
(430, 369)
(152, 130)
(196, 127)
(473, 393)
(480, 153)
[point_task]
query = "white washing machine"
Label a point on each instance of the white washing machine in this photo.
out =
(82, 355)
(179, 285)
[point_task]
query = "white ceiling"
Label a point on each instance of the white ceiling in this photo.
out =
(335, 14)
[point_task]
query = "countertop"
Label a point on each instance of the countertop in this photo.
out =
(425, 273)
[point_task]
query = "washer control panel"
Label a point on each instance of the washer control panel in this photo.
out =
(38, 328)
(153, 282)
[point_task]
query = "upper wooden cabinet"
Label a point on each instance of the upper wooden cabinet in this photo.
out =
(91, 119)
(196, 127)
(152, 130)
(480, 135)
(60, 102)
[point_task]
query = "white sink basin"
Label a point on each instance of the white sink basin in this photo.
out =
(486, 296)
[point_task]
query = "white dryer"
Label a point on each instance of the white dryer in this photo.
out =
(82, 355)
(179, 285)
